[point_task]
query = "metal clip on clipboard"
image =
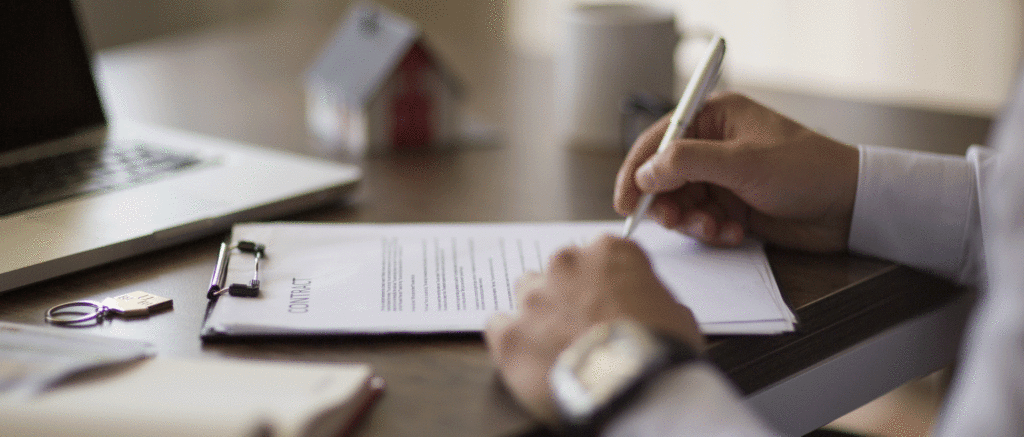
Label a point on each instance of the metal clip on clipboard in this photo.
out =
(220, 272)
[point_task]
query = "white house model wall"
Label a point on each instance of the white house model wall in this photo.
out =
(378, 88)
(381, 122)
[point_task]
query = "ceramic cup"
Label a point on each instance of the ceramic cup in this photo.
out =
(609, 52)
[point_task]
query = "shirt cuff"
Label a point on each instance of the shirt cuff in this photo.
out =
(914, 208)
(692, 400)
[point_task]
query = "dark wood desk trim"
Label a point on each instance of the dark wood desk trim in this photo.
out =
(830, 323)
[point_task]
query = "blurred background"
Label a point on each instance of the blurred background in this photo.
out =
(948, 55)
(944, 54)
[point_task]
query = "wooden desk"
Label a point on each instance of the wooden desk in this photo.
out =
(243, 81)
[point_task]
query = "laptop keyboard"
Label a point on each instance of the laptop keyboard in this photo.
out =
(34, 183)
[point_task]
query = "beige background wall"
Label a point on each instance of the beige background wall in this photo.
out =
(470, 35)
(113, 22)
(957, 55)
(954, 55)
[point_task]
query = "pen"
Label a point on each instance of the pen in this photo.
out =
(220, 271)
(700, 84)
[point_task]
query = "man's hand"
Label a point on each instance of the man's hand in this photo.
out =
(608, 280)
(745, 169)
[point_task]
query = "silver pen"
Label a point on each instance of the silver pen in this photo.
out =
(702, 81)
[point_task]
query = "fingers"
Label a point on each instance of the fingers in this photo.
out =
(688, 161)
(670, 209)
(530, 280)
(626, 192)
(713, 231)
(612, 254)
(501, 333)
(707, 155)
(528, 290)
(710, 214)
(718, 114)
(523, 359)
(496, 336)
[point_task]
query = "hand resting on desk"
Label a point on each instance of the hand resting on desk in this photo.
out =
(608, 280)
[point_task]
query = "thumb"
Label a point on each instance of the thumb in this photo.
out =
(690, 160)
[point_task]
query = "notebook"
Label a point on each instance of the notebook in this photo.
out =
(172, 397)
(77, 191)
(67, 382)
(61, 382)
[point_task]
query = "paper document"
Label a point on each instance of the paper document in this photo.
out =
(434, 278)
(35, 358)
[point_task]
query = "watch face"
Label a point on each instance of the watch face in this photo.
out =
(602, 364)
(610, 366)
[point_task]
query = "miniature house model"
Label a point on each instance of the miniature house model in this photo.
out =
(377, 87)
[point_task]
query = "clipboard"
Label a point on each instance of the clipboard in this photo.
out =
(440, 278)
(220, 271)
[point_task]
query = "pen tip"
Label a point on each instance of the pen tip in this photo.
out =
(627, 229)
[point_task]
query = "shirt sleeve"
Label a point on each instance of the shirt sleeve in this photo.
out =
(987, 394)
(693, 400)
(919, 209)
(916, 208)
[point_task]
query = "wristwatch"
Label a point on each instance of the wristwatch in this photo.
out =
(602, 371)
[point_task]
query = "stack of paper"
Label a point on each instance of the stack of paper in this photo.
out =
(429, 278)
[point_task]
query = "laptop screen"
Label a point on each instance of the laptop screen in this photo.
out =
(46, 86)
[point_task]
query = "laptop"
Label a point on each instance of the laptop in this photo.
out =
(77, 192)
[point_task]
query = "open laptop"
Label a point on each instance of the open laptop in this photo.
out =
(76, 193)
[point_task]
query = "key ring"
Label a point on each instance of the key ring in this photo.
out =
(85, 310)
(134, 304)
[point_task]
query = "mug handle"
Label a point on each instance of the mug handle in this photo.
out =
(640, 110)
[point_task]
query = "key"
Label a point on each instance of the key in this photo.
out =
(136, 304)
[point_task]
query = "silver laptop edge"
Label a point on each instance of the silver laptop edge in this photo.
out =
(51, 92)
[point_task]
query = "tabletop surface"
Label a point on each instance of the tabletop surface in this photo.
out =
(243, 81)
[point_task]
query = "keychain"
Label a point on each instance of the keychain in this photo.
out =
(134, 304)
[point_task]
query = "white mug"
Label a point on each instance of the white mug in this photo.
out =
(609, 52)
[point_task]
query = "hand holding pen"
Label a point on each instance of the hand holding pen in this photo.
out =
(745, 171)
(701, 83)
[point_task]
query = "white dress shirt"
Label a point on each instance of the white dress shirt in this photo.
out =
(958, 217)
